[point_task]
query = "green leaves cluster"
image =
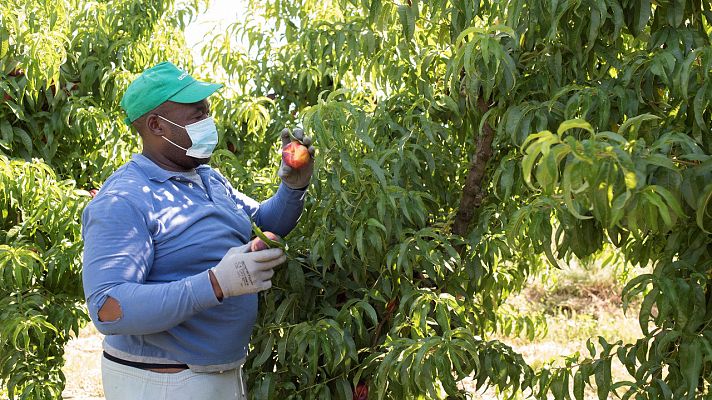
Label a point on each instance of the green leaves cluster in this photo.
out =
(600, 111)
(632, 195)
(40, 281)
(64, 65)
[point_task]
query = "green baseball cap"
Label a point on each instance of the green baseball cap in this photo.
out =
(159, 84)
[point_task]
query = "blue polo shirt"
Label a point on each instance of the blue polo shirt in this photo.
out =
(150, 237)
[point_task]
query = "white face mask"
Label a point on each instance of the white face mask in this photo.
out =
(203, 134)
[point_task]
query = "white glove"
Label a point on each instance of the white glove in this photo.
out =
(241, 272)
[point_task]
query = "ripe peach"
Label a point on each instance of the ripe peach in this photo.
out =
(295, 154)
(258, 244)
(361, 391)
(391, 305)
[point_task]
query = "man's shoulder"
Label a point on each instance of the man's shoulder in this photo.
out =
(214, 172)
(126, 184)
(129, 177)
(217, 176)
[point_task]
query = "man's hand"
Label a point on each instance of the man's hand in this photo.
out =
(297, 178)
(241, 272)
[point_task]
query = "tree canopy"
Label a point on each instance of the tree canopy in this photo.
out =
(462, 146)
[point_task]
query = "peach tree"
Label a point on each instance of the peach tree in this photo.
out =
(63, 67)
(463, 145)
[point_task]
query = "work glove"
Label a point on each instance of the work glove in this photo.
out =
(297, 178)
(241, 271)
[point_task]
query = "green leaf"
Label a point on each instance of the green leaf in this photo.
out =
(642, 17)
(265, 385)
(374, 222)
(344, 390)
(594, 25)
(691, 363)
(603, 378)
(663, 211)
(632, 125)
(578, 385)
(467, 58)
(646, 309)
(370, 311)
(6, 130)
(570, 170)
(16, 109)
(270, 243)
(700, 104)
(702, 205)
(676, 12)
(283, 308)
(4, 43)
(407, 20)
(670, 199)
(377, 171)
(514, 118)
(528, 163)
(573, 124)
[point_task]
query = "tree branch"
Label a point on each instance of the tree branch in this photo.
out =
(472, 193)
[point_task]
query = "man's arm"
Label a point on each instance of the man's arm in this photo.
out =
(118, 254)
(278, 214)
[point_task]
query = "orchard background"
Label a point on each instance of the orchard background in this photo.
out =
(463, 147)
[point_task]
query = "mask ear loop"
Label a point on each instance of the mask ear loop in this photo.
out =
(168, 120)
(174, 144)
(169, 140)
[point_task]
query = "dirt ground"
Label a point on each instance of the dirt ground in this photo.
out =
(83, 366)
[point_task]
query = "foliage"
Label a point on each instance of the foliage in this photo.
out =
(40, 288)
(64, 65)
(600, 111)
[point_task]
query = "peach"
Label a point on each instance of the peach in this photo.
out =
(361, 391)
(295, 154)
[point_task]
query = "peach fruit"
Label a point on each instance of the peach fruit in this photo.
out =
(295, 154)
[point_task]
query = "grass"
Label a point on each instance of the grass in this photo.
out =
(578, 302)
(83, 366)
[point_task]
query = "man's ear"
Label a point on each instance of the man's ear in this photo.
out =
(154, 125)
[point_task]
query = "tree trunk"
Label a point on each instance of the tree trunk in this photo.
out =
(472, 194)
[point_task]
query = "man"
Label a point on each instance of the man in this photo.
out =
(168, 276)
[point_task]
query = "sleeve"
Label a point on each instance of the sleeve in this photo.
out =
(118, 255)
(279, 213)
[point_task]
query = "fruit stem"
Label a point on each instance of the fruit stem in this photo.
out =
(269, 242)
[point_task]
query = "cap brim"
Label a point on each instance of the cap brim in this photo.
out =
(195, 92)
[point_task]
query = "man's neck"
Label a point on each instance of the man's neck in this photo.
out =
(164, 163)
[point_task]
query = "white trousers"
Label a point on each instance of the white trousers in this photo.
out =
(122, 382)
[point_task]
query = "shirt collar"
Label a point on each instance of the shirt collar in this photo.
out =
(156, 173)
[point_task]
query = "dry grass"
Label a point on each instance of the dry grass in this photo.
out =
(578, 303)
(83, 366)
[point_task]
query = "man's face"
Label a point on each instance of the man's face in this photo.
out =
(180, 114)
